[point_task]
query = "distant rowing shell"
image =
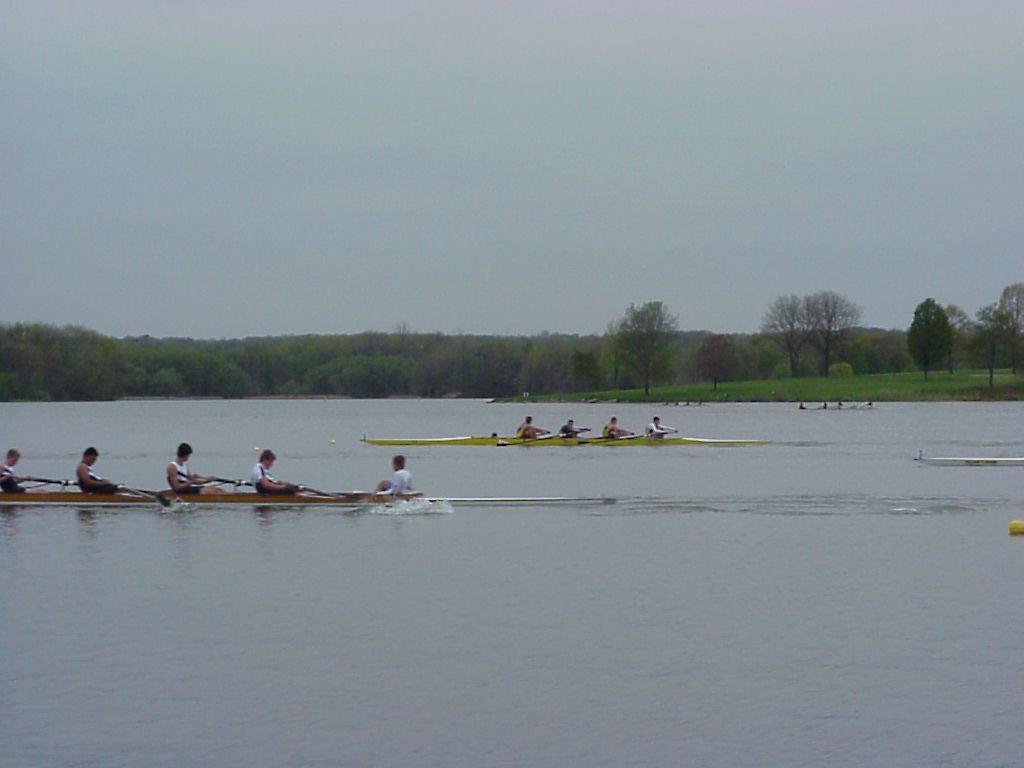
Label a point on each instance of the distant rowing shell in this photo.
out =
(967, 461)
(554, 440)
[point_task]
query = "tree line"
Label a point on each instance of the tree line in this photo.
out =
(814, 335)
(942, 336)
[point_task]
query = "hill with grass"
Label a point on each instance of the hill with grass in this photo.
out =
(961, 385)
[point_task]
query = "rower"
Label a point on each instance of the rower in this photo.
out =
(401, 483)
(527, 431)
(87, 479)
(656, 430)
(612, 430)
(181, 480)
(570, 430)
(263, 481)
(9, 481)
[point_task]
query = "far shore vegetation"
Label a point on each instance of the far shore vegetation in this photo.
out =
(878, 387)
(810, 349)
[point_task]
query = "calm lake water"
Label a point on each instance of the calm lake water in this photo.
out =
(824, 600)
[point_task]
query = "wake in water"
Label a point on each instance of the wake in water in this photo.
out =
(410, 507)
(801, 506)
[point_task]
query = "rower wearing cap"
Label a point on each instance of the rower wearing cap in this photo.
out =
(570, 430)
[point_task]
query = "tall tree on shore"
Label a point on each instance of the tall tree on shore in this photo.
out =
(645, 342)
(717, 359)
(830, 317)
(991, 336)
(930, 337)
(961, 325)
(1011, 301)
(610, 352)
(786, 322)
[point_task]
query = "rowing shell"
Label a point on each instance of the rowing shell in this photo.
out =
(543, 440)
(78, 499)
(961, 461)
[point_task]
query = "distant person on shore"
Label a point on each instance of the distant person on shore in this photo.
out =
(657, 431)
(527, 431)
(263, 482)
(612, 430)
(87, 479)
(401, 482)
(9, 481)
(181, 480)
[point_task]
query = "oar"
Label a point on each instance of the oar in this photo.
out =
(538, 438)
(342, 496)
(604, 440)
(45, 481)
(162, 500)
(223, 480)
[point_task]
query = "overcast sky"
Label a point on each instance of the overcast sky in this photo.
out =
(229, 168)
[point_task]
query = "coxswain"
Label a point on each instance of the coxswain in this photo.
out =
(401, 482)
(181, 480)
(87, 479)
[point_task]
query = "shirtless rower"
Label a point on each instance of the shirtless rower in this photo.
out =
(527, 431)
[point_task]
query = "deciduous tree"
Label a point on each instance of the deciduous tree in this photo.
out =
(717, 359)
(829, 318)
(786, 322)
(961, 325)
(1011, 301)
(645, 342)
(930, 336)
(991, 336)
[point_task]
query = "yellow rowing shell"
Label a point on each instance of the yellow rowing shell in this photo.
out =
(555, 440)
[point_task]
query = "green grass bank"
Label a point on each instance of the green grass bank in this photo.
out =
(961, 385)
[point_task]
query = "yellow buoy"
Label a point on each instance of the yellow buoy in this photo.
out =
(1017, 527)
